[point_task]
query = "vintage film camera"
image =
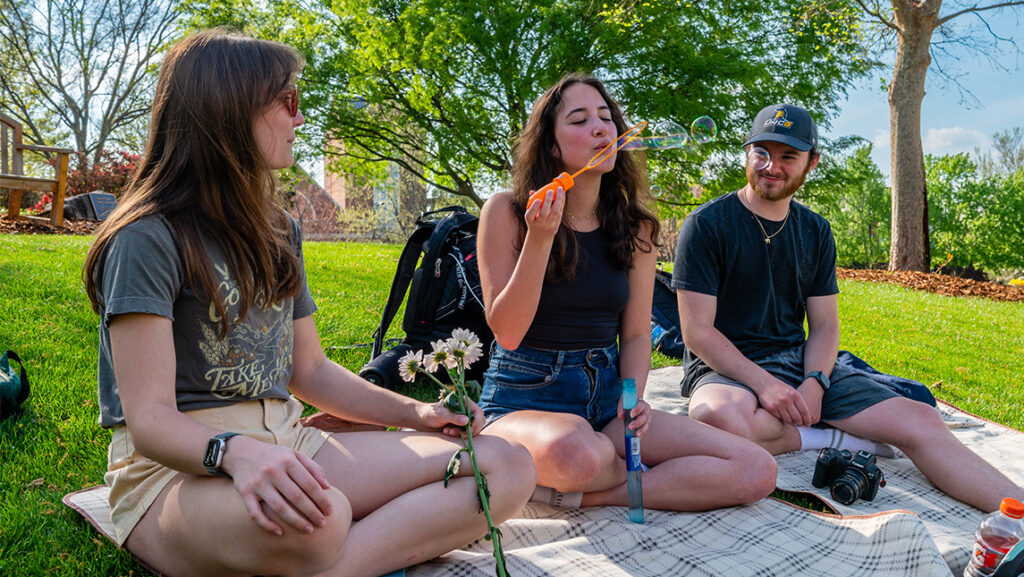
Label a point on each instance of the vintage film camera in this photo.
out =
(851, 477)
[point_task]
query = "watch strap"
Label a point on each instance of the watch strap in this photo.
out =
(819, 376)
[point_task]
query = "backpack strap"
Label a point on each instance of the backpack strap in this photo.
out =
(400, 284)
(425, 230)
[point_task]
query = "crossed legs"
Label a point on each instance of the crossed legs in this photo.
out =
(391, 510)
(693, 466)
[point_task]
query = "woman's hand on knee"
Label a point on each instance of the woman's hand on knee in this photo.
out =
(283, 480)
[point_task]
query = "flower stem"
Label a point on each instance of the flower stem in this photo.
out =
(481, 484)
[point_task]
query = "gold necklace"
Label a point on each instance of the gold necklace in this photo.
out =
(768, 237)
(585, 216)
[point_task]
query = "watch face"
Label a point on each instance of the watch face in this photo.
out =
(821, 378)
(210, 460)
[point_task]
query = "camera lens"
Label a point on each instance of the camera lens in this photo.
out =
(849, 486)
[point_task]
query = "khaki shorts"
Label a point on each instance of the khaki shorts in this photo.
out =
(136, 481)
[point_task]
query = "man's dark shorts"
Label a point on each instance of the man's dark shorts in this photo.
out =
(850, 392)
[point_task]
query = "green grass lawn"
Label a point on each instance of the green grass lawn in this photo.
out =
(969, 349)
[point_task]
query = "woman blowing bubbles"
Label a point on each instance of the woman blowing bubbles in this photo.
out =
(568, 284)
(206, 327)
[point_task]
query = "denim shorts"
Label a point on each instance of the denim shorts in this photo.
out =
(582, 382)
(849, 393)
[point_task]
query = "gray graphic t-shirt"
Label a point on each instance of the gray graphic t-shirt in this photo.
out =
(142, 272)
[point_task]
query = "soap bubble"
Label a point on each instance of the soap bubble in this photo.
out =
(669, 134)
(758, 158)
(703, 130)
(636, 144)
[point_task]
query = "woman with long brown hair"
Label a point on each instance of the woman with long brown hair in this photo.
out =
(207, 330)
(568, 284)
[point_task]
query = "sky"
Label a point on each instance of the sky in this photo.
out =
(949, 125)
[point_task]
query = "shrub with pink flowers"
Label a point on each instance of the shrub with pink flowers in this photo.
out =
(42, 206)
(112, 173)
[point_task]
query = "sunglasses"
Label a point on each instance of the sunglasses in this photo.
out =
(291, 100)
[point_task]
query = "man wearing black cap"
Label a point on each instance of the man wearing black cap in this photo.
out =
(750, 267)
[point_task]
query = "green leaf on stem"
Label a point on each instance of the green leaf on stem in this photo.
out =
(453, 402)
(473, 389)
(453, 466)
(485, 490)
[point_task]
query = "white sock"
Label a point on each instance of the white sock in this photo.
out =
(556, 499)
(813, 438)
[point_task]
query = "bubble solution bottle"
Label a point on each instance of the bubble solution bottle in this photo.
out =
(997, 534)
(634, 487)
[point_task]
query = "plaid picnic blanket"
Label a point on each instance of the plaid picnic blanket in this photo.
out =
(911, 528)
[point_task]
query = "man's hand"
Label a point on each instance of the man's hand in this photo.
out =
(785, 403)
(812, 393)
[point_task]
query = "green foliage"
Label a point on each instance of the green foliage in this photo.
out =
(975, 219)
(442, 87)
(850, 192)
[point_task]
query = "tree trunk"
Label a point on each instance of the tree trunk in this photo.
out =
(909, 246)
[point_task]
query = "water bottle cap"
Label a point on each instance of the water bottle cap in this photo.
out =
(1012, 508)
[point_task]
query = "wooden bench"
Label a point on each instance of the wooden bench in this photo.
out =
(12, 172)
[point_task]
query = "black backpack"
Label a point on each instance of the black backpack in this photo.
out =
(666, 336)
(444, 294)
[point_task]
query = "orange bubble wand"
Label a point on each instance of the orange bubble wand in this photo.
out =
(566, 180)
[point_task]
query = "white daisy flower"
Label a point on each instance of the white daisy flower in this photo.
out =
(409, 364)
(465, 345)
(440, 355)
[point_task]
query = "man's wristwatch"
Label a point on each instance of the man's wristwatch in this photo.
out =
(215, 453)
(819, 376)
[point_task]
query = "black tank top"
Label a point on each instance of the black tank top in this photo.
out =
(587, 311)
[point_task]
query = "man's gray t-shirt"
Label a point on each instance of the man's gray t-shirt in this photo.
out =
(141, 271)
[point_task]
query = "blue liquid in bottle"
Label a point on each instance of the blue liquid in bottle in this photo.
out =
(634, 486)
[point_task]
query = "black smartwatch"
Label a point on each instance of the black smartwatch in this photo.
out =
(819, 376)
(215, 453)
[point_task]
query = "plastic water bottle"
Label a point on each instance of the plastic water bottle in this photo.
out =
(634, 469)
(997, 534)
(657, 333)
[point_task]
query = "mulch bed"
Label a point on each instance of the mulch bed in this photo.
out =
(935, 283)
(19, 226)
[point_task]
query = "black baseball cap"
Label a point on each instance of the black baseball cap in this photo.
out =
(785, 123)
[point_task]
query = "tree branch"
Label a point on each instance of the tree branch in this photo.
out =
(976, 9)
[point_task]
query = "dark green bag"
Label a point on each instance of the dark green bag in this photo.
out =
(13, 386)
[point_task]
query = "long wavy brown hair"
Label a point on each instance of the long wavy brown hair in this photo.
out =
(204, 173)
(624, 199)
